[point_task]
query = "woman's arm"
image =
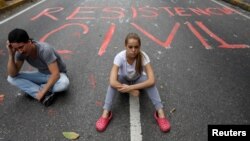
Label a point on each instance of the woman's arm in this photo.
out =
(149, 82)
(113, 79)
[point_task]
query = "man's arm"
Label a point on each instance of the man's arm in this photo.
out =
(55, 75)
(13, 67)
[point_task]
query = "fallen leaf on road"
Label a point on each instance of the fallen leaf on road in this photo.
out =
(173, 110)
(71, 135)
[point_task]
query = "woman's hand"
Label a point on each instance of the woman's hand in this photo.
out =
(124, 88)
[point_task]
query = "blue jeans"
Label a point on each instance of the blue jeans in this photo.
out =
(32, 82)
(152, 92)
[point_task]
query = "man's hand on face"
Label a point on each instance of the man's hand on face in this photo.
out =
(11, 50)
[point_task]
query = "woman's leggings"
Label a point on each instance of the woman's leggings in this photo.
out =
(152, 92)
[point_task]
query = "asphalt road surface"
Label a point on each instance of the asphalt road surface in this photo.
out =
(199, 51)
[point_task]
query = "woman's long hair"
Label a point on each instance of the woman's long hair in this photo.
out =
(139, 61)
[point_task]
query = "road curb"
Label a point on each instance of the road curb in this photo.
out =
(11, 5)
(239, 3)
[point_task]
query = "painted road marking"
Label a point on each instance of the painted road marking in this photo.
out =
(135, 121)
(19, 13)
(231, 9)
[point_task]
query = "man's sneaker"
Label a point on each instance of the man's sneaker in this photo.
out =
(48, 99)
(102, 123)
(162, 122)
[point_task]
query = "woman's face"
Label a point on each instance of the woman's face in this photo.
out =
(132, 48)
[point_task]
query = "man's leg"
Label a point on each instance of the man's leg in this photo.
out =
(34, 76)
(32, 82)
(62, 83)
(29, 82)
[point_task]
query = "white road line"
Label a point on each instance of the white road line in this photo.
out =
(19, 13)
(135, 122)
(231, 9)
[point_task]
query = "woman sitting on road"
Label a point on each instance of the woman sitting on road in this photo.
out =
(130, 73)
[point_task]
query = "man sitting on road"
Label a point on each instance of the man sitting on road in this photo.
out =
(51, 75)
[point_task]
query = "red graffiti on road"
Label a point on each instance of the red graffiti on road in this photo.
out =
(166, 44)
(148, 12)
(198, 35)
(91, 13)
(52, 112)
(217, 38)
(1, 98)
(64, 51)
(168, 41)
(107, 39)
(92, 81)
(48, 12)
(84, 27)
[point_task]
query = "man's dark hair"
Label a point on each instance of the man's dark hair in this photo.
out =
(18, 36)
